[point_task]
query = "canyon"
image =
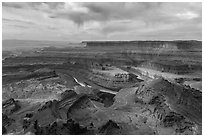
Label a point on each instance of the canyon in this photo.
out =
(103, 87)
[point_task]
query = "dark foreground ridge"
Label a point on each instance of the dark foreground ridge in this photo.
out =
(156, 107)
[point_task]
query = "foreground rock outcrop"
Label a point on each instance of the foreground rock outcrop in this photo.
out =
(10, 106)
(155, 107)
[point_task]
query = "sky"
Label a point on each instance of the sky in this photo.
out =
(102, 21)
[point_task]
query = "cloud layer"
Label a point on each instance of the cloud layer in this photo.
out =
(102, 21)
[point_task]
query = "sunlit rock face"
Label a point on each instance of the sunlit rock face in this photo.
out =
(176, 96)
(175, 105)
(40, 84)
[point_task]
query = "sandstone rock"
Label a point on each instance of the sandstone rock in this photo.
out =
(10, 106)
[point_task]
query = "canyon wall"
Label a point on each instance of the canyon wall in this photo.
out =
(152, 44)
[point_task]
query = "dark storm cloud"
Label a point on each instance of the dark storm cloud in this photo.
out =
(80, 13)
(54, 5)
(121, 20)
(148, 12)
(85, 12)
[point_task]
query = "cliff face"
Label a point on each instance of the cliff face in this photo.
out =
(181, 100)
(151, 44)
(176, 67)
(39, 84)
(180, 57)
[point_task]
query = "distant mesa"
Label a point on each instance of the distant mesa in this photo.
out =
(180, 44)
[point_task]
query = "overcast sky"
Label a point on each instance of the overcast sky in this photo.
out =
(102, 21)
